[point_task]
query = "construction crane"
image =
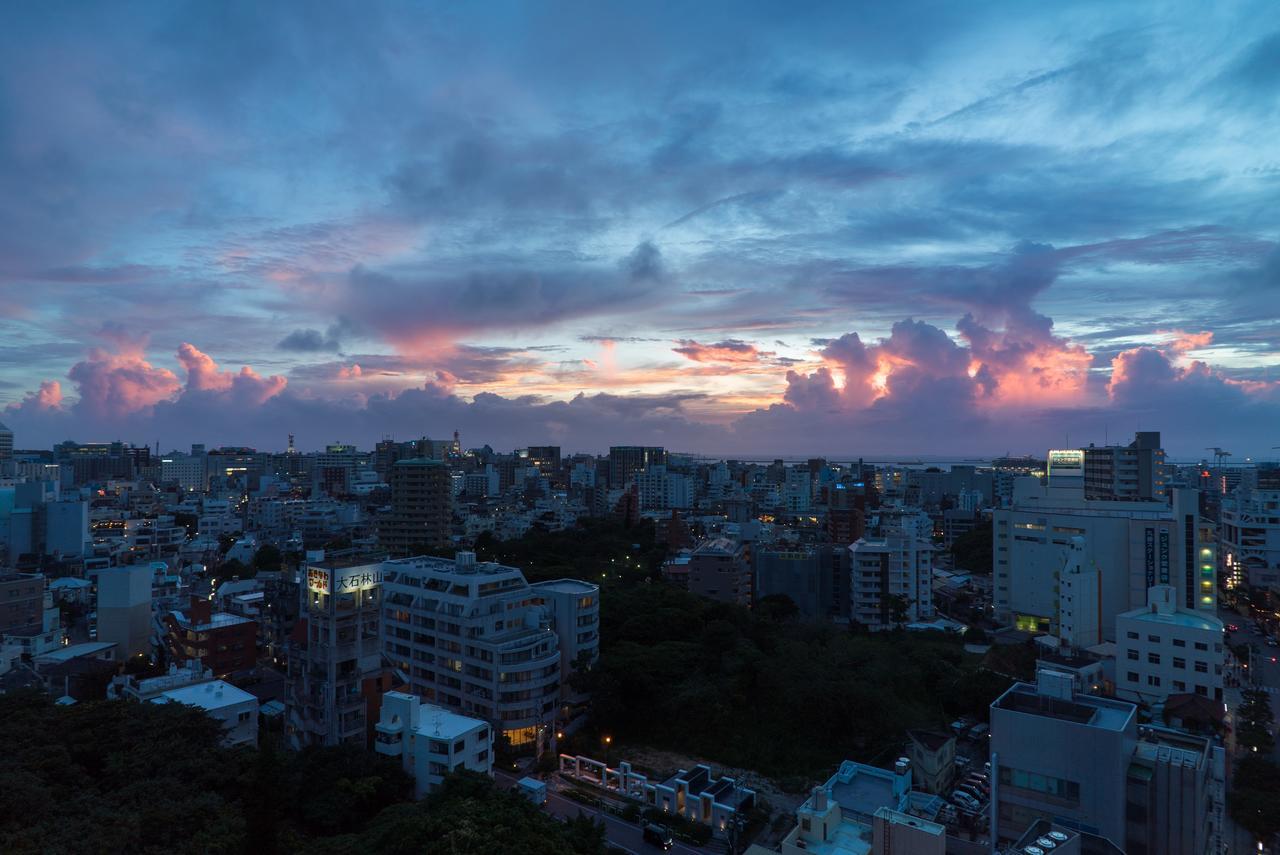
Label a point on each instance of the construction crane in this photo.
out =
(1218, 454)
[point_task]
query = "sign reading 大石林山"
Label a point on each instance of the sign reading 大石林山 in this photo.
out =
(325, 581)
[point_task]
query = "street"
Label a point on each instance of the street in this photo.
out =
(620, 833)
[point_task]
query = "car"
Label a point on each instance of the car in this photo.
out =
(970, 790)
(962, 761)
(979, 730)
(657, 835)
(1271, 642)
(1231, 627)
(964, 800)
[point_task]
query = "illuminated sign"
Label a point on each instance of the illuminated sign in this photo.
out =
(1066, 467)
(324, 581)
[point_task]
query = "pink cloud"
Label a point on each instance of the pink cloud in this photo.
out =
(730, 351)
(45, 399)
(111, 385)
(203, 375)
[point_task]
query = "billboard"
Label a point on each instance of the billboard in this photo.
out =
(1066, 467)
(323, 580)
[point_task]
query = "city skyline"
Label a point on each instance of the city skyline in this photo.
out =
(735, 230)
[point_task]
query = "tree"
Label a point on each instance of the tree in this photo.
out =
(268, 558)
(236, 569)
(777, 607)
(1252, 801)
(973, 550)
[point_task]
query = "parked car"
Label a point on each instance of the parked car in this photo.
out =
(962, 799)
(978, 731)
(658, 836)
(959, 726)
(962, 762)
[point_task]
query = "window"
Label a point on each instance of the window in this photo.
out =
(1179, 686)
(1154, 639)
(1202, 667)
(1153, 680)
(1200, 645)
(1132, 654)
(1179, 663)
(1132, 635)
(1202, 690)
(1133, 676)
(1153, 658)
(1179, 642)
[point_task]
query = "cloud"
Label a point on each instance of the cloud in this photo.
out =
(734, 351)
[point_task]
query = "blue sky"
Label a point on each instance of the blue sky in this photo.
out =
(748, 228)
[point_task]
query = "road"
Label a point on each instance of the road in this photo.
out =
(621, 833)
(1266, 673)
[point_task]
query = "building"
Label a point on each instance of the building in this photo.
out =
(1133, 544)
(1082, 762)
(933, 760)
(814, 577)
(661, 490)
(1127, 472)
(475, 638)
(839, 817)
(698, 795)
(891, 580)
(1062, 756)
(901, 833)
(6, 443)
(574, 609)
(221, 642)
(235, 708)
(21, 602)
(430, 741)
(1163, 650)
(421, 513)
(333, 651)
(66, 528)
(1249, 537)
(719, 569)
(626, 460)
(124, 609)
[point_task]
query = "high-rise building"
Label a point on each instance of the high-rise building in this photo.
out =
(814, 577)
(124, 609)
(891, 580)
(6, 443)
(626, 460)
(421, 513)
(475, 638)
(661, 490)
(334, 650)
(1134, 545)
(1133, 471)
(574, 609)
(21, 599)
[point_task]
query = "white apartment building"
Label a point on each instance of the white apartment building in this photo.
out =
(187, 472)
(797, 490)
(235, 708)
(897, 565)
(430, 741)
(1249, 537)
(1133, 544)
(574, 608)
(474, 638)
(661, 490)
(1163, 650)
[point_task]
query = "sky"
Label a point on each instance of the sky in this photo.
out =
(945, 229)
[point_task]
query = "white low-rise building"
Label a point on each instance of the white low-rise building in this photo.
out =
(235, 708)
(1163, 650)
(430, 741)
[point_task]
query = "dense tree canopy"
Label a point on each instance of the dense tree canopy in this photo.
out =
(1253, 801)
(468, 815)
(972, 550)
(680, 672)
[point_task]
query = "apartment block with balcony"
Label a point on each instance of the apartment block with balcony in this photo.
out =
(430, 741)
(895, 568)
(333, 650)
(475, 638)
(574, 609)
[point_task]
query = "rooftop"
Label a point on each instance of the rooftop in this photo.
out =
(439, 722)
(216, 694)
(1187, 620)
(75, 651)
(567, 586)
(1089, 710)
